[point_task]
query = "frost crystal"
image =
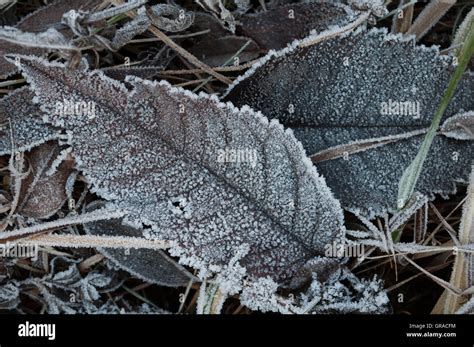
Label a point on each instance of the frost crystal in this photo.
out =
(334, 93)
(344, 293)
(260, 296)
(341, 292)
(230, 278)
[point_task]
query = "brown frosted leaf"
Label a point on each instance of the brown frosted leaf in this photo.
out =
(217, 45)
(204, 21)
(222, 50)
(274, 29)
(6, 68)
(50, 15)
(43, 191)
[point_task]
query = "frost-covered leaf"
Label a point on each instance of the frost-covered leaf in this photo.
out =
(153, 266)
(14, 40)
(64, 278)
(260, 296)
(459, 127)
(44, 188)
(204, 21)
(205, 175)
(85, 25)
(117, 9)
(92, 283)
(45, 39)
(336, 94)
(6, 68)
(169, 17)
(20, 122)
(9, 296)
(131, 29)
(50, 15)
(275, 28)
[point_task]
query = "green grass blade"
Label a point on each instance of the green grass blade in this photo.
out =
(409, 178)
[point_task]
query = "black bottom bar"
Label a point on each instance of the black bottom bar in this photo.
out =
(315, 329)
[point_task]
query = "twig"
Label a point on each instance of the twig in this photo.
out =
(227, 62)
(441, 282)
(326, 35)
(183, 36)
(403, 24)
(221, 69)
(93, 241)
(438, 227)
(11, 82)
(449, 228)
(89, 262)
(188, 56)
(185, 295)
(93, 216)
(391, 13)
(430, 15)
(462, 268)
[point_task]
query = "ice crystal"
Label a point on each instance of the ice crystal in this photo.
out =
(342, 292)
